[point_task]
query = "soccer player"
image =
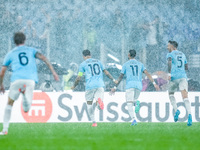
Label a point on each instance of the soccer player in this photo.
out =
(93, 70)
(177, 64)
(133, 70)
(24, 76)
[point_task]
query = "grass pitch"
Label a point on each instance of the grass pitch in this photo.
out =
(107, 136)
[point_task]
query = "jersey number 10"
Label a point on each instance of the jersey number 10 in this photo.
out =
(95, 69)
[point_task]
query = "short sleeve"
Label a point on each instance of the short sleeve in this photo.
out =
(186, 60)
(7, 60)
(34, 52)
(123, 71)
(169, 55)
(143, 68)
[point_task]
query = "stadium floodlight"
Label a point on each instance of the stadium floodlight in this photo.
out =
(114, 58)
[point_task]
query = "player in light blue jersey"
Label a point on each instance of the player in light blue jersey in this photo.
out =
(93, 70)
(177, 64)
(133, 70)
(24, 75)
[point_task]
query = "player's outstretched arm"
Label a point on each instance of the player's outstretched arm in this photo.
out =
(151, 79)
(3, 70)
(109, 75)
(117, 83)
(119, 79)
(43, 58)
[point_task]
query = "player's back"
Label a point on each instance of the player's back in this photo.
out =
(23, 64)
(133, 70)
(178, 64)
(93, 69)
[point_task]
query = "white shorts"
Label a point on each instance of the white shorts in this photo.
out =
(19, 84)
(90, 95)
(178, 84)
(132, 94)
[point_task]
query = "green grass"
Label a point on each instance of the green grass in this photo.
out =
(114, 136)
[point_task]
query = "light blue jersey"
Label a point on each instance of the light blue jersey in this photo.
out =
(93, 70)
(133, 70)
(23, 64)
(178, 64)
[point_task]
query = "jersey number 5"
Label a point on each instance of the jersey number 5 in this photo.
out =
(179, 58)
(23, 59)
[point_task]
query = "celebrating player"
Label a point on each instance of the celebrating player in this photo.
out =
(24, 75)
(93, 70)
(133, 70)
(177, 64)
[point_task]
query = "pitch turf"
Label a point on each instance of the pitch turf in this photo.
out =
(114, 136)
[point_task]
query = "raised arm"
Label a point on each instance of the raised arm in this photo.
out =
(44, 59)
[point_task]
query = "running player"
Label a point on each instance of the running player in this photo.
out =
(24, 75)
(177, 64)
(133, 70)
(93, 70)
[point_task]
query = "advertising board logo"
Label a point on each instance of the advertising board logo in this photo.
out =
(41, 108)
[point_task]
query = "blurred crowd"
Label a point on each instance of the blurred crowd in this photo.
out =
(62, 29)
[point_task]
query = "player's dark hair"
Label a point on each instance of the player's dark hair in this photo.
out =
(19, 38)
(132, 53)
(86, 53)
(174, 43)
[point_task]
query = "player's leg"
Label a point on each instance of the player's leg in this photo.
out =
(174, 105)
(7, 116)
(99, 96)
(89, 96)
(12, 96)
(187, 106)
(183, 86)
(172, 88)
(129, 102)
(136, 101)
(27, 94)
